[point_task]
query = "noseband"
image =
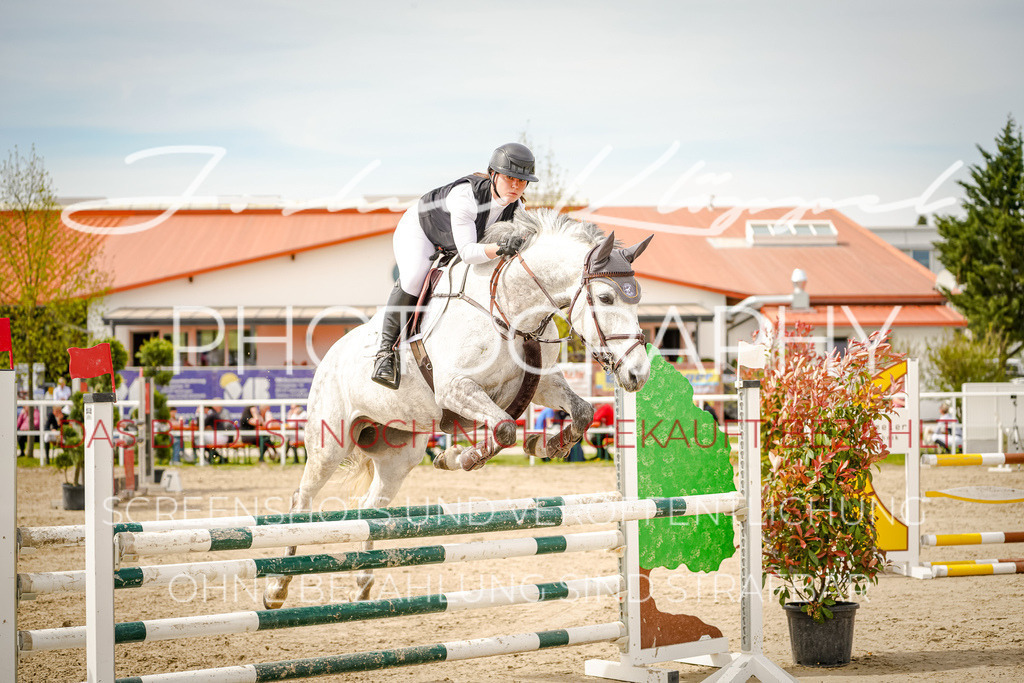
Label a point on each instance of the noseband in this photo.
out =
(604, 356)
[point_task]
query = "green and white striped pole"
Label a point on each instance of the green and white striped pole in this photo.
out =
(253, 568)
(74, 535)
(386, 659)
(322, 533)
(265, 620)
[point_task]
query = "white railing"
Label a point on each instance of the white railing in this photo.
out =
(200, 437)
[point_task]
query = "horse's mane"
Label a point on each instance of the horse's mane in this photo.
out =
(532, 223)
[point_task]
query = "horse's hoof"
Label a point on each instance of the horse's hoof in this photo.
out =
(505, 433)
(272, 604)
(474, 459)
(448, 459)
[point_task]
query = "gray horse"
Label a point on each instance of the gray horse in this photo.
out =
(478, 332)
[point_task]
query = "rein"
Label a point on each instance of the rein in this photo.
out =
(503, 326)
(606, 359)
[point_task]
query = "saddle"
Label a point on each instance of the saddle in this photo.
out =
(414, 335)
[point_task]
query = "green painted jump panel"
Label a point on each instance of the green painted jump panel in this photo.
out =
(681, 452)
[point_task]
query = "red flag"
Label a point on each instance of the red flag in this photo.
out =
(91, 362)
(5, 339)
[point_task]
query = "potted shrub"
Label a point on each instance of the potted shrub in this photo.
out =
(154, 356)
(72, 455)
(820, 440)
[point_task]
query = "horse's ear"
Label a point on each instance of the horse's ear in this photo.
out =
(604, 250)
(630, 253)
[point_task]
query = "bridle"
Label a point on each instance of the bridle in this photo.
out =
(504, 326)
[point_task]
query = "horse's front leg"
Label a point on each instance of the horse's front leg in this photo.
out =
(390, 468)
(554, 392)
(466, 398)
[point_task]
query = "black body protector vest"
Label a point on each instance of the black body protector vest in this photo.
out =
(436, 220)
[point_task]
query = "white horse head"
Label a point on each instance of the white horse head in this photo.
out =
(571, 266)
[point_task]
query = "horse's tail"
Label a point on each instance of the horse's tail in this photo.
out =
(357, 465)
(359, 471)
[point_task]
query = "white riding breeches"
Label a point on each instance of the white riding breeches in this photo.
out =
(412, 252)
(413, 249)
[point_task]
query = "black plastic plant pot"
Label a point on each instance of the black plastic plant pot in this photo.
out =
(74, 497)
(829, 643)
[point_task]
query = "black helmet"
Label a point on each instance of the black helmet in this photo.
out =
(514, 160)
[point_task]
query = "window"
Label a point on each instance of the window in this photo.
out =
(249, 348)
(214, 356)
(138, 339)
(922, 256)
(791, 233)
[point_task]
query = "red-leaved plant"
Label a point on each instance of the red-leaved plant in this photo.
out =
(820, 437)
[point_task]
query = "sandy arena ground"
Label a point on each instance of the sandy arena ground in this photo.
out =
(938, 630)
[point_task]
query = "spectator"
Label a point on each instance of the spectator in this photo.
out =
(54, 420)
(61, 392)
(295, 425)
(23, 426)
(947, 434)
(267, 444)
(544, 419)
(211, 420)
(604, 416)
(175, 425)
(249, 422)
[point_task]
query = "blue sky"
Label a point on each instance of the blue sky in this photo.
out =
(661, 103)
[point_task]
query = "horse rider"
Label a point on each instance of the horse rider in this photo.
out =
(448, 220)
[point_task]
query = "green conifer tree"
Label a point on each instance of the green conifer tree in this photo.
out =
(984, 249)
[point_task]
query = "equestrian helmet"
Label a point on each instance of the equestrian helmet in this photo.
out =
(515, 160)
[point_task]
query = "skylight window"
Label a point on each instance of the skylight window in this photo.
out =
(791, 233)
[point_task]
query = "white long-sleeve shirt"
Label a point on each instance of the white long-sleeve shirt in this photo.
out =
(461, 204)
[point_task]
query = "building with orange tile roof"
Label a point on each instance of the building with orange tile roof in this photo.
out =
(292, 282)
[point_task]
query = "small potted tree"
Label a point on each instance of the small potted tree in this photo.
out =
(820, 439)
(155, 355)
(72, 457)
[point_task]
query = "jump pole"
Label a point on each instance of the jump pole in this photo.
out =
(972, 459)
(99, 536)
(318, 533)
(386, 659)
(32, 584)
(384, 608)
(8, 521)
(74, 535)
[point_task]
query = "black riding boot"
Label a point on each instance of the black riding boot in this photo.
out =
(387, 370)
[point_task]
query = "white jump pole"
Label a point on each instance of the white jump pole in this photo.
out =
(99, 536)
(751, 660)
(8, 530)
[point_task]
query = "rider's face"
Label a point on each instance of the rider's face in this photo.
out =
(508, 189)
